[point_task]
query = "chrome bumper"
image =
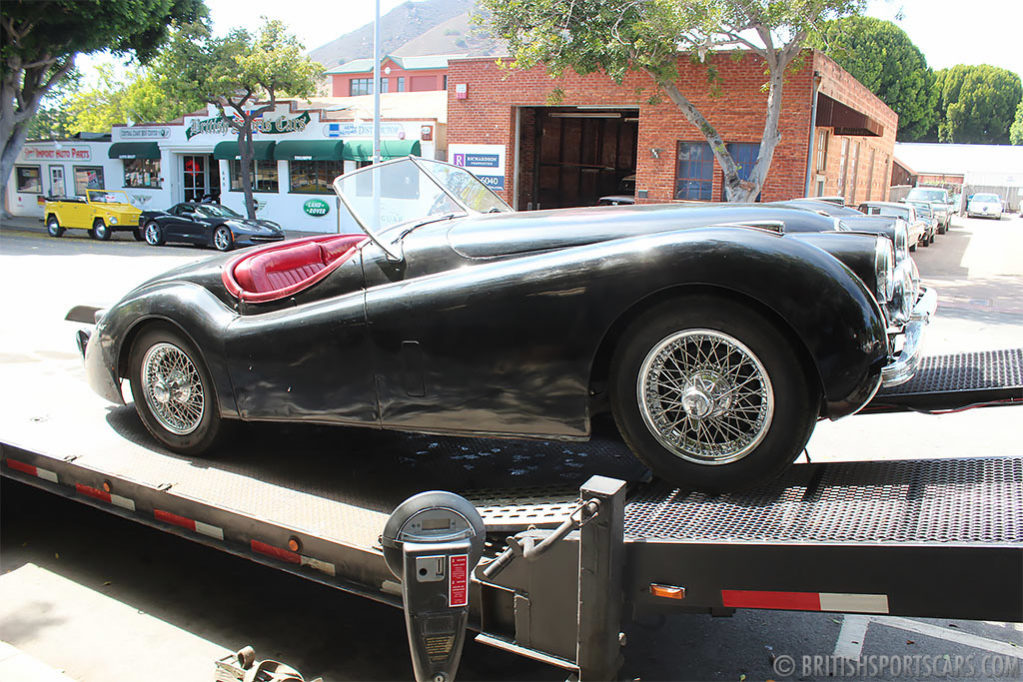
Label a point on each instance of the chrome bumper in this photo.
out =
(902, 368)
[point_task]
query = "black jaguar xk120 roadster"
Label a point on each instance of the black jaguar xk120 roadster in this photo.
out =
(716, 336)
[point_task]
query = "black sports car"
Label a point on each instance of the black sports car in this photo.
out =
(206, 225)
(715, 338)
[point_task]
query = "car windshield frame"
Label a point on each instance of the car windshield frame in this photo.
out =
(450, 198)
(228, 212)
(107, 192)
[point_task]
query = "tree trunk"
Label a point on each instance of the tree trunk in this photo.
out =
(246, 151)
(771, 136)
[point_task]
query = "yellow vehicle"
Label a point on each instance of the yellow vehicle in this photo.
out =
(100, 211)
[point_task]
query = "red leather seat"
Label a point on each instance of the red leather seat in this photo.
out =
(280, 270)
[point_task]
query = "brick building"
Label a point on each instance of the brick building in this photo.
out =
(836, 136)
(397, 74)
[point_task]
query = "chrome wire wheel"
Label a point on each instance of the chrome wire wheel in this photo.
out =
(173, 388)
(705, 396)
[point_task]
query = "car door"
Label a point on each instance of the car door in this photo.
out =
(175, 225)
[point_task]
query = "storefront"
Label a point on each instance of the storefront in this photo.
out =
(57, 168)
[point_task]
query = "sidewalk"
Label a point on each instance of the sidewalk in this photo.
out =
(15, 664)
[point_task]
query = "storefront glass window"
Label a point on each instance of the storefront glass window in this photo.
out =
(694, 174)
(314, 177)
(264, 177)
(88, 177)
(142, 173)
(745, 156)
(29, 179)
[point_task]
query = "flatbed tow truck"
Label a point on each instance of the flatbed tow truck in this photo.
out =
(565, 566)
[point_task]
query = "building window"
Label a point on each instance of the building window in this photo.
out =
(842, 167)
(445, 87)
(264, 177)
(314, 177)
(694, 172)
(745, 156)
(88, 177)
(360, 86)
(383, 85)
(29, 179)
(822, 150)
(401, 84)
(142, 173)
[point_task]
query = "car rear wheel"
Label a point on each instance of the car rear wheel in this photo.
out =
(100, 230)
(173, 391)
(223, 240)
(154, 235)
(53, 227)
(709, 394)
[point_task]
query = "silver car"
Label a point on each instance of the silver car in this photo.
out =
(984, 206)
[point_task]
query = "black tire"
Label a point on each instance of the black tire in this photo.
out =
(100, 230)
(53, 227)
(162, 397)
(774, 418)
(927, 240)
(223, 238)
(153, 233)
(137, 233)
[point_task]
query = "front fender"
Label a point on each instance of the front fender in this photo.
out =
(192, 309)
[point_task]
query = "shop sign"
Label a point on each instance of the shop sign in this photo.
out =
(61, 154)
(221, 125)
(144, 133)
(389, 130)
(316, 207)
(485, 161)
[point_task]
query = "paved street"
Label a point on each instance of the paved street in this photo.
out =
(105, 599)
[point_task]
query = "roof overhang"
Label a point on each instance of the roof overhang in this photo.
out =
(844, 119)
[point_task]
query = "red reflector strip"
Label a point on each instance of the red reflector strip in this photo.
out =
(92, 492)
(276, 552)
(44, 474)
(174, 519)
(805, 601)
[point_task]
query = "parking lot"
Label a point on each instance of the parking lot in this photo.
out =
(102, 598)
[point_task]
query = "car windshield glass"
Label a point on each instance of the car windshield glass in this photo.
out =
(103, 196)
(986, 197)
(926, 195)
(923, 209)
(405, 192)
(890, 211)
(216, 211)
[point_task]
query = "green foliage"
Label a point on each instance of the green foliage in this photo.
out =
(977, 103)
(880, 55)
(52, 120)
(1016, 130)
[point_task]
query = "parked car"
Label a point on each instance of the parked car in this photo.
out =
(984, 206)
(923, 210)
(206, 225)
(918, 227)
(939, 201)
(847, 219)
(100, 211)
(626, 193)
(714, 337)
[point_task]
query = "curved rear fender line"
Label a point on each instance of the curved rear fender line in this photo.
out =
(821, 301)
(199, 315)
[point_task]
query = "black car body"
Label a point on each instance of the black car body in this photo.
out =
(477, 320)
(204, 224)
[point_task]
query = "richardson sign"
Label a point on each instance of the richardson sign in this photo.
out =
(61, 154)
(221, 125)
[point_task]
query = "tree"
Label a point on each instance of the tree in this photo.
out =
(42, 37)
(242, 73)
(1016, 130)
(616, 36)
(52, 120)
(880, 55)
(977, 103)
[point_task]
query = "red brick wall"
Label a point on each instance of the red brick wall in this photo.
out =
(426, 79)
(487, 116)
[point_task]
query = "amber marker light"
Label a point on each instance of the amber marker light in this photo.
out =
(107, 487)
(293, 544)
(667, 591)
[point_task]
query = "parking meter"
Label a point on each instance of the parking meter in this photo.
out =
(431, 543)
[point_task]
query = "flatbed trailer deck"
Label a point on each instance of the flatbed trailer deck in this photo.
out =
(857, 537)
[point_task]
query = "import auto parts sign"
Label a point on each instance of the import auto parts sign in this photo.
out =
(485, 161)
(316, 207)
(62, 153)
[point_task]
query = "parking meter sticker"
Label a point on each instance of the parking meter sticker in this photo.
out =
(458, 580)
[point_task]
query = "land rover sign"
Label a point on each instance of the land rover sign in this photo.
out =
(316, 207)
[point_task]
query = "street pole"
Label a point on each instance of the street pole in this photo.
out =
(376, 84)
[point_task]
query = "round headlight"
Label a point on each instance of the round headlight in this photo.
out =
(884, 268)
(113, 220)
(901, 240)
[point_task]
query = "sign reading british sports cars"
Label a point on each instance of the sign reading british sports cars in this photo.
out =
(221, 125)
(316, 207)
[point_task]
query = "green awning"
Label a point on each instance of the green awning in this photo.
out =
(134, 150)
(362, 150)
(309, 150)
(264, 151)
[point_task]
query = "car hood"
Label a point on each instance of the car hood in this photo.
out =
(504, 234)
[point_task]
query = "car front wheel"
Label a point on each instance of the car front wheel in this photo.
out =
(223, 240)
(173, 391)
(153, 234)
(53, 227)
(100, 230)
(710, 395)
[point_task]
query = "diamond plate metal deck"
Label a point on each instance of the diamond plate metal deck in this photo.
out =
(958, 380)
(961, 501)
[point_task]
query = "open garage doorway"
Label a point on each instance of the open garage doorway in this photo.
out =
(572, 156)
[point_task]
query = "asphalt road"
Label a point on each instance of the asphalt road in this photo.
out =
(105, 599)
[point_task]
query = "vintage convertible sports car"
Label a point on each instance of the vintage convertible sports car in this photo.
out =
(714, 338)
(206, 225)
